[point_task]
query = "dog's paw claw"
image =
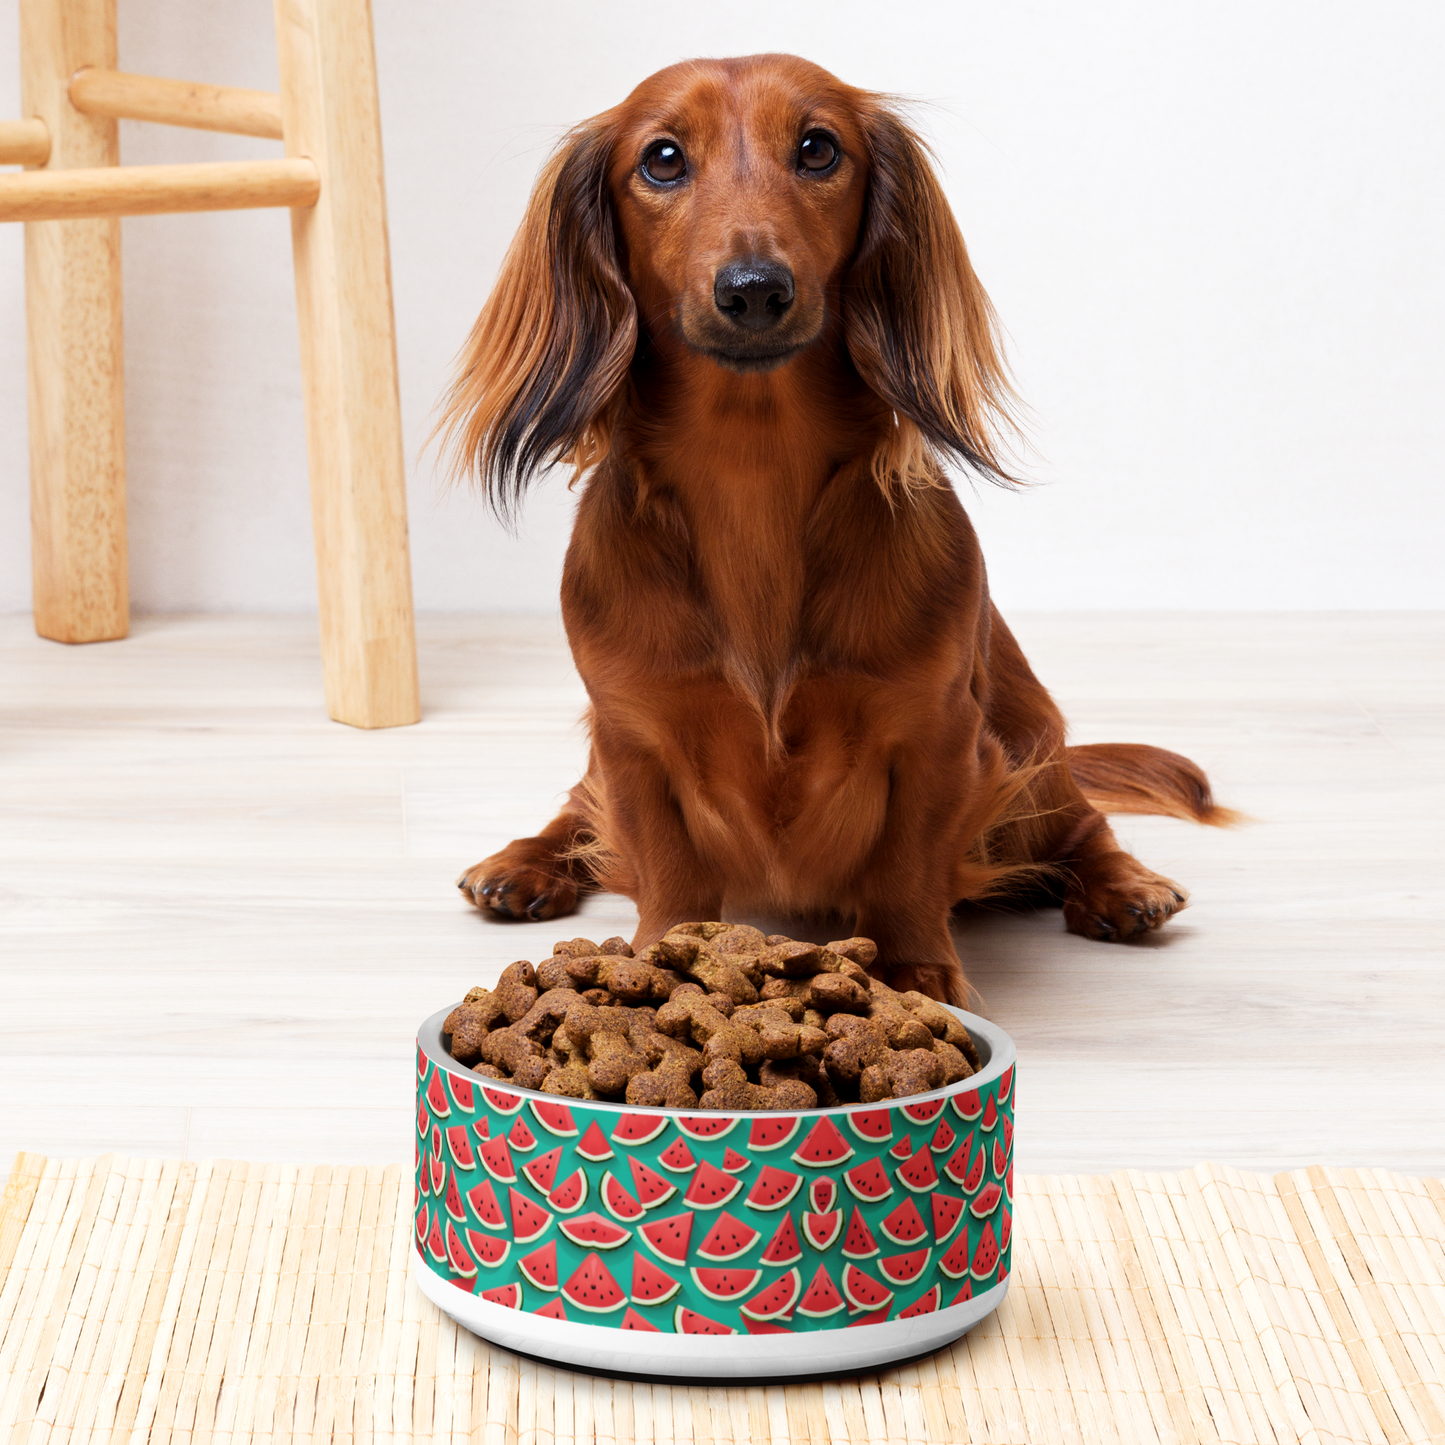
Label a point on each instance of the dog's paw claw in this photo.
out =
(524, 891)
(1116, 899)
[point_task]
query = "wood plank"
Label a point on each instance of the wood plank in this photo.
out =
(158, 190)
(73, 336)
(348, 361)
(228, 108)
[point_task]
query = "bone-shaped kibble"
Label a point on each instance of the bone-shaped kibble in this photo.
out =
(691, 1017)
(612, 1060)
(516, 989)
(912, 1071)
(691, 956)
(728, 1087)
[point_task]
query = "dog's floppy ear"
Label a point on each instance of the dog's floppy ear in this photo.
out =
(919, 326)
(539, 376)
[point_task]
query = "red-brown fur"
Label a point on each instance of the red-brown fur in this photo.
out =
(803, 701)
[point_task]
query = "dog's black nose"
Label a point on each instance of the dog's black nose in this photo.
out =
(756, 294)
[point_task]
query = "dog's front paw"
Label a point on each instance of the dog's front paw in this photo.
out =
(517, 883)
(1115, 898)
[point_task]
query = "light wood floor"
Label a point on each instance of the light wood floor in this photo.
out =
(222, 916)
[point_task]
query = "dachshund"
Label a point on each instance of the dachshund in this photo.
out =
(740, 308)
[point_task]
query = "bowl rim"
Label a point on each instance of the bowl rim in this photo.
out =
(1002, 1055)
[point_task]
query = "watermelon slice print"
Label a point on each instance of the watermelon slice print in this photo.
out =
(777, 1300)
(462, 1095)
(1005, 1226)
(783, 1247)
(720, 1283)
(520, 1137)
(860, 1243)
(459, 1146)
(734, 1163)
(529, 1219)
(461, 1262)
(500, 1100)
(774, 1188)
(437, 1168)
(822, 1230)
(489, 1251)
(943, 1138)
(1005, 1086)
(421, 1065)
(957, 1166)
(436, 1097)
(593, 1145)
(667, 1238)
(711, 1188)
(423, 1117)
(706, 1126)
(905, 1224)
(903, 1149)
(571, 1194)
(772, 1133)
(868, 1181)
(875, 1317)
(509, 1296)
(955, 1263)
(947, 1211)
(649, 1186)
(766, 1327)
(864, 1292)
(822, 1195)
(904, 1269)
(689, 1322)
(592, 1231)
(554, 1118)
(617, 1201)
(990, 1116)
(541, 1172)
(423, 1225)
(650, 1286)
(965, 1294)
(918, 1174)
(631, 1320)
(454, 1200)
(875, 1125)
(821, 1298)
(823, 1147)
(968, 1106)
(497, 1160)
(986, 1256)
(985, 1201)
(728, 1239)
(925, 1112)
(482, 1201)
(638, 1129)
(677, 1157)
(926, 1304)
(552, 1310)
(540, 1267)
(592, 1288)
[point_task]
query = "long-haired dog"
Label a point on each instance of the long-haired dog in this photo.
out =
(740, 306)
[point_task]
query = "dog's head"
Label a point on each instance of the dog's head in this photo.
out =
(731, 214)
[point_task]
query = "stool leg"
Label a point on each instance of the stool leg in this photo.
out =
(72, 307)
(348, 361)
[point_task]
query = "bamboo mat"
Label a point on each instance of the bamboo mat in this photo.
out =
(156, 1300)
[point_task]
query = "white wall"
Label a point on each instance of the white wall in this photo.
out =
(1212, 231)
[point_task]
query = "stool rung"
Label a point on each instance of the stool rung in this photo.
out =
(24, 143)
(176, 102)
(152, 190)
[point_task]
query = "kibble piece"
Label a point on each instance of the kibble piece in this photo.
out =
(728, 1087)
(832, 993)
(617, 946)
(516, 989)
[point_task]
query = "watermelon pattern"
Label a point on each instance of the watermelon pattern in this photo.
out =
(514, 1197)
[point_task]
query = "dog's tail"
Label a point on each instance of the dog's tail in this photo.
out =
(1135, 778)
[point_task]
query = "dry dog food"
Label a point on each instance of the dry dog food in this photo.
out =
(713, 1016)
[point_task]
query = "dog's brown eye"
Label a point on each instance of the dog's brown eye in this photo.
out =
(664, 162)
(817, 152)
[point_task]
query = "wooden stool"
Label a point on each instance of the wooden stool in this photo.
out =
(331, 179)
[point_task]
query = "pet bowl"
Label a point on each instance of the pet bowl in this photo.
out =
(709, 1245)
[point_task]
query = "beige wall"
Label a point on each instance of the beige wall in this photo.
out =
(1212, 231)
